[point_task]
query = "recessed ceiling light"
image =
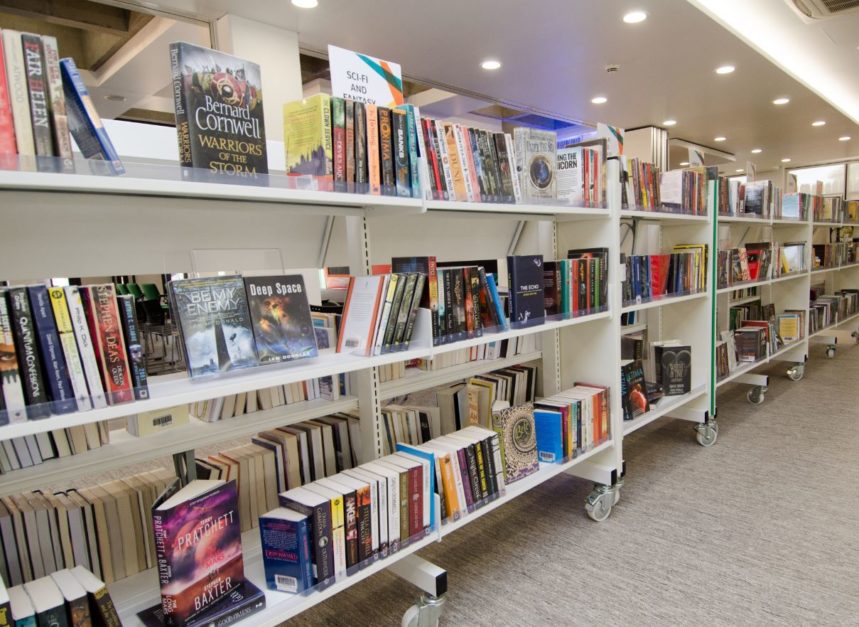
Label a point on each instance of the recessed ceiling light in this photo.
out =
(115, 98)
(725, 69)
(757, 151)
(786, 160)
(818, 123)
(720, 138)
(634, 17)
(844, 138)
(305, 4)
(599, 100)
(669, 123)
(738, 170)
(684, 163)
(491, 64)
(781, 101)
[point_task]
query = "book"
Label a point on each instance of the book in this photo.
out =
(634, 397)
(360, 314)
(101, 607)
(71, 353)
(285, 538)
(48, 602)
(85, 346)
(673, 369)
(549, 430)
(105, 328)
(318, 509)
(360, 130)
(350, 145)
(59, 118)
(133, 346)
(11, 377)
(8, 149)
(243, 602)
(570, 183)
(219, 112)
(54, 368)
(518, 440)
(536, 161)
(526, 305)
(85, 125)
(5, 610)
(400, 139)
(280, 316)
(198, 547)
(37, 87)
(387, 166)
(216, 326)
(16, 77)
(308, 142)
(21, 608)
(338, 139)
(27, 352)
(374, 174)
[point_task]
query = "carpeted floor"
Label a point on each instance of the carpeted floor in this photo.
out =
(761, 529)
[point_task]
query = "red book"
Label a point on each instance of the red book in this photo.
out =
(659, 265)
(8, 147)
(433, 158)
(105, 329)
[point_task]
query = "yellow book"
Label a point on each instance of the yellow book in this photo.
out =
(307, 140)
(456, 170)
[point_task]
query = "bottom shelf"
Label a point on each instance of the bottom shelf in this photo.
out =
(662, 407)
(747, 367)
(834, 325)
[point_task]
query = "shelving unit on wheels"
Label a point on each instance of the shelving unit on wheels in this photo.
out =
(81, 226)
(687, 318)
(785, 292)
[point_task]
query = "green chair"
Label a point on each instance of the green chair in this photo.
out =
(134, 290)
(150, 292)
(121, 289)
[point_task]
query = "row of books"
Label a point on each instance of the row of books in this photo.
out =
(70, 596)
(32, 450)
(43, 103)
(683, 271)
(502, 349)
(652, 370)
(571, 422)
(752, 199)
(834, 255)
(829, 309)
(835, 209)
(799, 205)
(761, 261)
(68, 349)
(576, 285)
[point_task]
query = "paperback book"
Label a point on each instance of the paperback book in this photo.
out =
(280, 314)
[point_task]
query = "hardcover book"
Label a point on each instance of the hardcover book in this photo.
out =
(280, 314)
(105, 327)
(307, 141)
(219, 112)
(516, 430)
(526, 281)
(198, 546)
(216, 326)
(285, 537)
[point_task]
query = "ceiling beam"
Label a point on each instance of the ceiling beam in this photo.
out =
(80, 14)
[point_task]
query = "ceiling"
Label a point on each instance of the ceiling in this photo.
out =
(554, 54)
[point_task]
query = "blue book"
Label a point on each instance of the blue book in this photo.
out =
(550, 435)
(84, 122)
(56, 373)
(412, 129)
(285, 535)
(430, 457)
(496, 300)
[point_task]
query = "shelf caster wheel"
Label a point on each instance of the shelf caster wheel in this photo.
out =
(830, 352)
(796, 373)
(600, 501)
(707, 433)
(756, 395)
(424, 613)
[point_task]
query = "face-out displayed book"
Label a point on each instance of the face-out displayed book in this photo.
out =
(280, 314)
(219, 112)
(515, 427)
(672, 362)
(526, 305)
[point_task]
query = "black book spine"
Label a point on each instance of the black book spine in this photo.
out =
(360, 147)
(350, 513)
(458, 288)
(365, 529)
(512, 283)
(393, 315)
(487, 158)
(405, 309)
(474, 284)
(322, 547)
(479, 162)
(37, 85)
(489, 467)
(134, 347)
(450, 326)
(183, 129)
(482, 475)
(500, 145)
(26, 347)
(386, 152)
(400, 139)
(436, 142)
(495, 170)
(54, 369)
(473, 474)
(413, 314)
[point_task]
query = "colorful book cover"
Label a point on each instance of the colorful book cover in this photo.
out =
(7, 123)
(198, 546)
(350, 144)
(16, 81)
(219, 111)
(216, 327)
(109, 343)
(338, 138)
(526, 304)
(308, 142)
(361, 176)
(515, 428)
(85, 125)
(242, 602)
(536, 154)
(280, 314)
(285, 541)
(549, 430)
(374, 176)
(387, 165)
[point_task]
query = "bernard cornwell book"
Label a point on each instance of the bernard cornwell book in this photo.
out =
(219, 117)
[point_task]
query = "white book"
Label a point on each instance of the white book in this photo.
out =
(379, 504)
(389, 289)
(21, 607)
(76, 371)
(392, 480)
(85, 347)
(360, 315)
(59, 119)
(570, 175)
(445, 160)
(511, 159)
(16, 77)
(462, 149)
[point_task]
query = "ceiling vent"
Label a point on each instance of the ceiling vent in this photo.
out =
(812, 10)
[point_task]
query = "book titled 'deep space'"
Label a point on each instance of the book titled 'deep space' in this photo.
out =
(219, 116)
(198, 547)
(280, 314)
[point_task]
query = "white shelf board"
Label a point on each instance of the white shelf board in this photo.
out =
(789, 222)
(824, 224)
(663, 215)
(173, 390)
(125, 449)
(745, 300)
(633, 328)
(533, 211)
(664, 406)
(663, 301)
(740, 370)
(546, 472)
(141, 591)
(830, 327)
(835, 269)
(743, 220)
(780, 279)
(417, 379)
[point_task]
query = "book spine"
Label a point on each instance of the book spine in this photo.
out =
(415, 146)
(338, 132)
(514, 175)
(441, 156)
(322, 547)
(489, 466)
(134, 347)
(26, 346)
(393, 315)
(473, 282)
(481, 160)
(386, 152)
(482, 472)
(350, 145)
(450, 326)
(84, 122)
(7, 122)
(413, 313)
(478, 177)
(400, 138)
(62, 139)
(85, 346)
(415, 501)
(159, 533)
(12, 389)
(53, 363)
(105, 609)
(431, 158)
(464, 164)
(453, 167)
(405, 311)
(183, 127)
(16, 75)
(365, 520)
(496, 169)
(360, 147)
(34, 63)
(468, 471)
(373, 165)
(111, 345)
(350, 523)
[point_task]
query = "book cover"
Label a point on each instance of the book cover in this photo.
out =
(387, 167)
(318, 509)
(338, 137)
(401, 147)
(635, 399)
(570, 182)
(10, 373)
(414, 143)
(54, 366)
(85, 125)
(59, 118)
(285, 540)
(242, 602)
(280, 315)
(515, 428)
(106, 331)
(27, 353)
(675, 363)
(198, 546)
(307, 141)
(526, 281)
(216, 326)
(219, 112)
(536, 154)
(8, 148)
(133, 346)
(504, 161)
(37, 87)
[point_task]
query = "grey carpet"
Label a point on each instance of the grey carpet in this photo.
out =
(761, 529)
